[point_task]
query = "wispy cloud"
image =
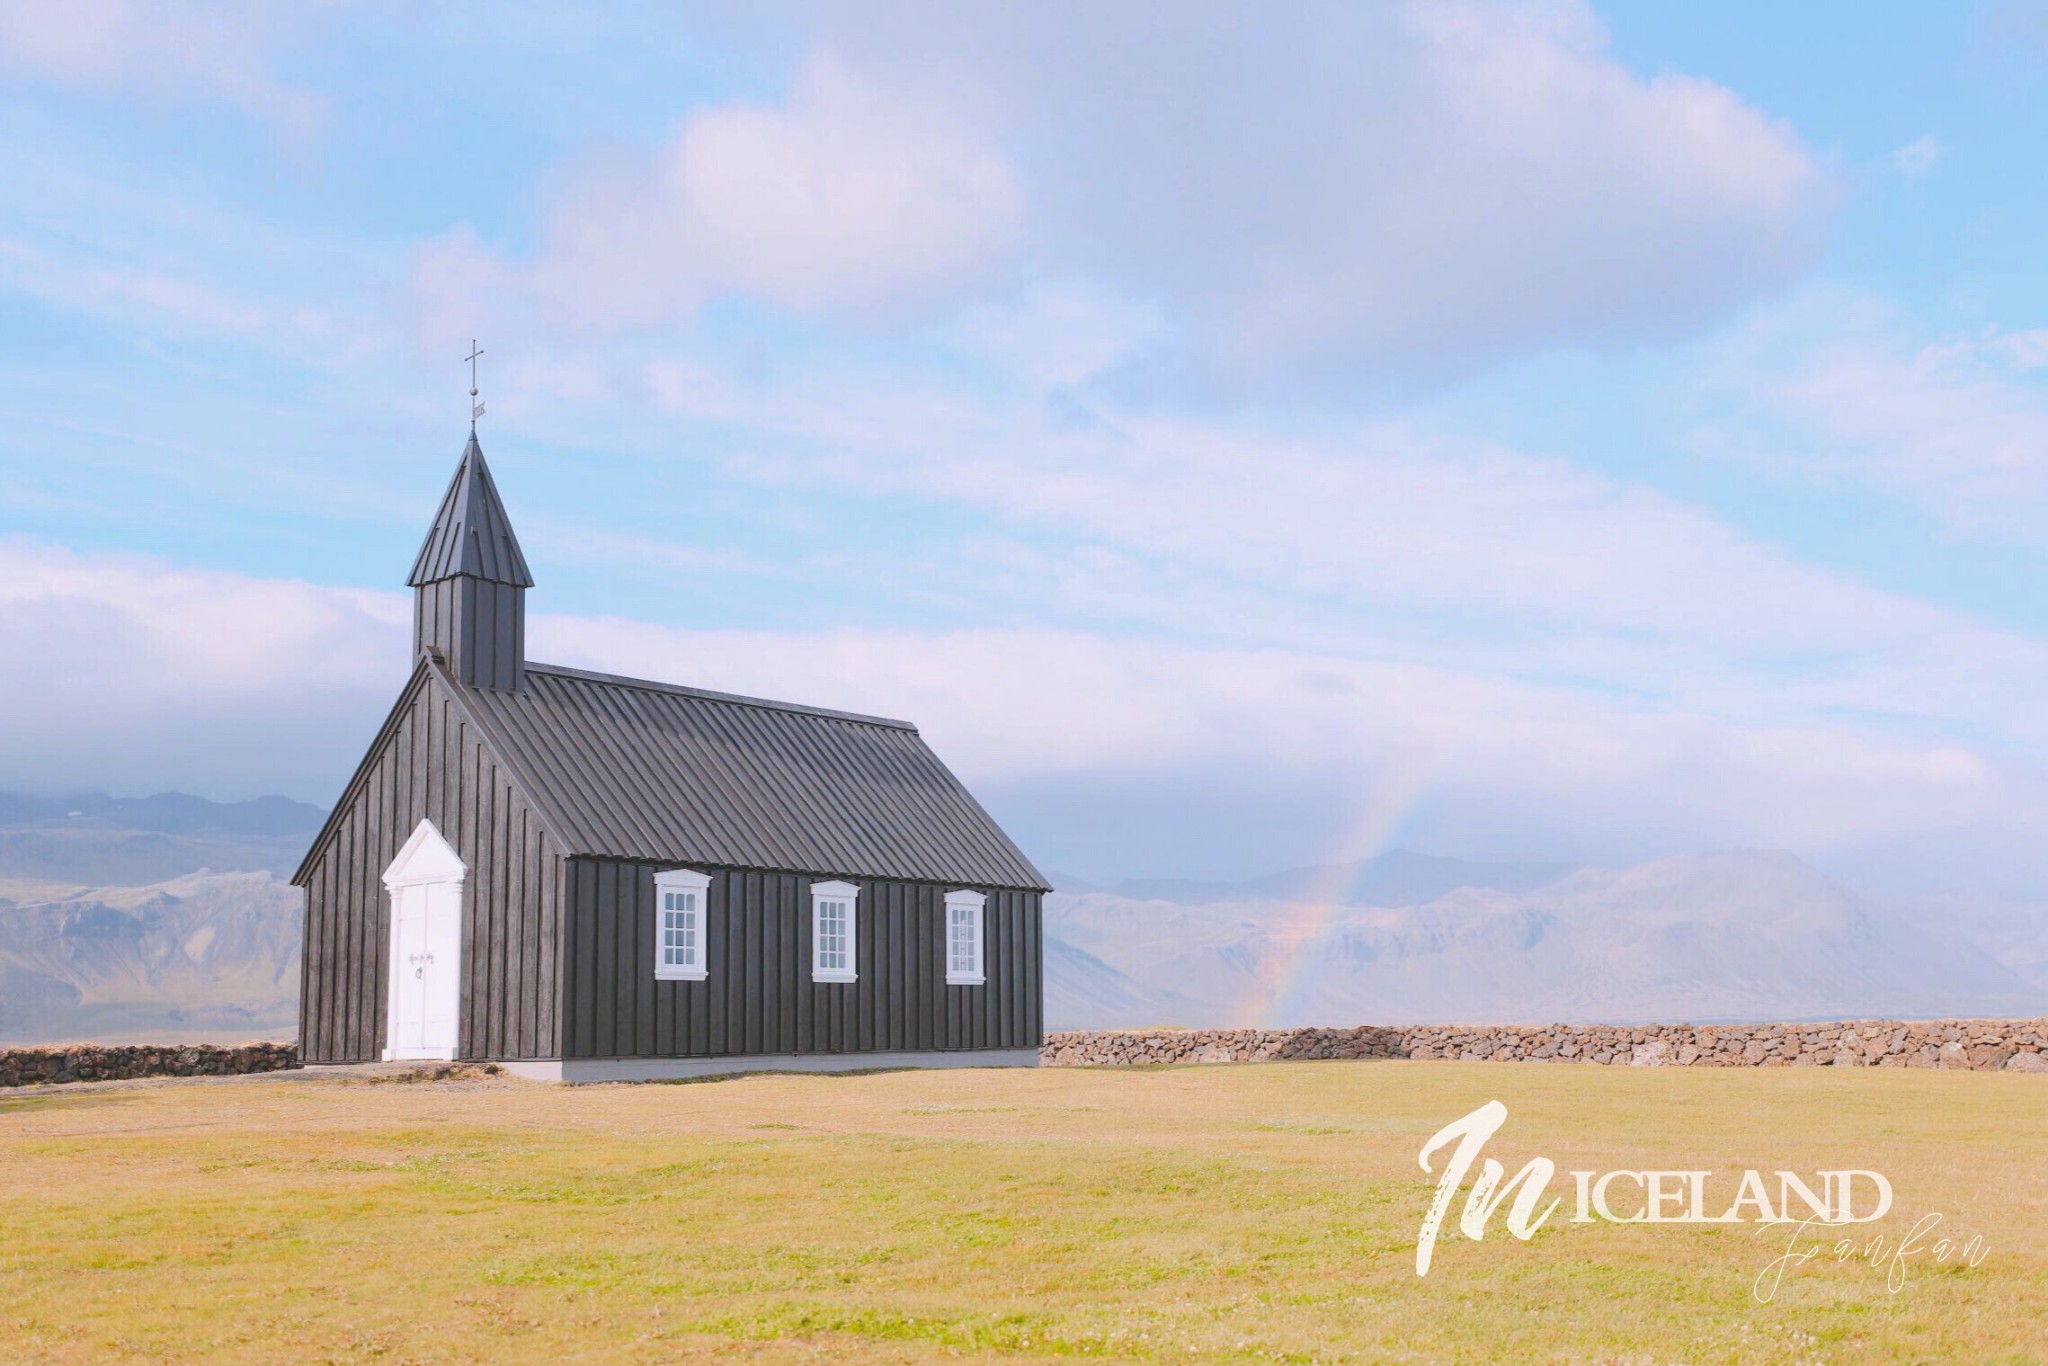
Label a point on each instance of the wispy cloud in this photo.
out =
(162, 50)
(1844, 388)
(1351, 198)
(1381, 513)
(848, 195)
(1360, 194)
(1917, 157)
(134, 673)
(111, 289)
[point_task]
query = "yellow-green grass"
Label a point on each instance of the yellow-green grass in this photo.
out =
(1201, 1213)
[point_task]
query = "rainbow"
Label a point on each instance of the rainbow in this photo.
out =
(1295, 944)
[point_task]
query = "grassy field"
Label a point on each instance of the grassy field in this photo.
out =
(1245, 1212)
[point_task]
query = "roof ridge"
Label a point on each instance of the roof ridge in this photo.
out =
(651, 685)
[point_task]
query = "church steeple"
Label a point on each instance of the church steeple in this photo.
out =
(470, 582)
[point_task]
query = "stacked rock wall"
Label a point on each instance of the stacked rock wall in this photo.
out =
(121, 1062)
(1097, 1048)
(1977, 1045)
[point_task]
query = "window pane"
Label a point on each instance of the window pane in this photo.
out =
(680, 929)
(831, 935)
(963, 951)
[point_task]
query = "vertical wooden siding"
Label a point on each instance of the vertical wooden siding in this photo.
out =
(432, 766)
(478, 626)
(758, 996)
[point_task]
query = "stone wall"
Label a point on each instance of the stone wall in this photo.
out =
(1978, 1045)
(121, 1062)
(1099, 1048)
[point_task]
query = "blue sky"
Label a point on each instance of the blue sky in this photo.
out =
(1506, 430)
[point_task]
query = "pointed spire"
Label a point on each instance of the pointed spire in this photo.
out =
(471, 535)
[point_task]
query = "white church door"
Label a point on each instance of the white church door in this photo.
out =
(425, 882)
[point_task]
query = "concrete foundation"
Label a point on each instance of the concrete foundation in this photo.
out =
(682, 1069)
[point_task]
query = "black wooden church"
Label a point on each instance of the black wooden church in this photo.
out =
(588, 877)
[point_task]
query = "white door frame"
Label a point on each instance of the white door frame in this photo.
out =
(426, 864)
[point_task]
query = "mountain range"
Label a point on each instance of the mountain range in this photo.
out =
(95, 839)
(163, 918)
(209, 957)
(1400, 877)
(1747, 935)
(167, 918)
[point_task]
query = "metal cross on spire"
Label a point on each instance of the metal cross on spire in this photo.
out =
(476, 410)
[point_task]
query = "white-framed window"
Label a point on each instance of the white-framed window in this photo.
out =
(964, 963)
(681, 899)
(835, 931)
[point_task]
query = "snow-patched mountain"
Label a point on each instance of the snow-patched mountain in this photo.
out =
(1405, 937)
(205, 956)
(1746, 935)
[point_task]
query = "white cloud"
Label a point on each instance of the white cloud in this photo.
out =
(847, 195)
(1059, 334)
(135, 674)
(1380, 535)
(128, 672)
(1841, 388)
(1354, 197)
(1368, 192)
(124, 290)
(162, 269)
(157, 48)
(1917, 157)
(1014, 704)
(461, 289)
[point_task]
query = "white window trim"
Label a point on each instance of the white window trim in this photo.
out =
(978, 903)
(683, 880)
(822, 892)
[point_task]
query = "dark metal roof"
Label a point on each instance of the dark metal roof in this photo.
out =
(624, 768)
(471, 534)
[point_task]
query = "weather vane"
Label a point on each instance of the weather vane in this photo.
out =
(476, 410)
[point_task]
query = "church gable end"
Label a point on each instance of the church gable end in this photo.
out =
(432, 762)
